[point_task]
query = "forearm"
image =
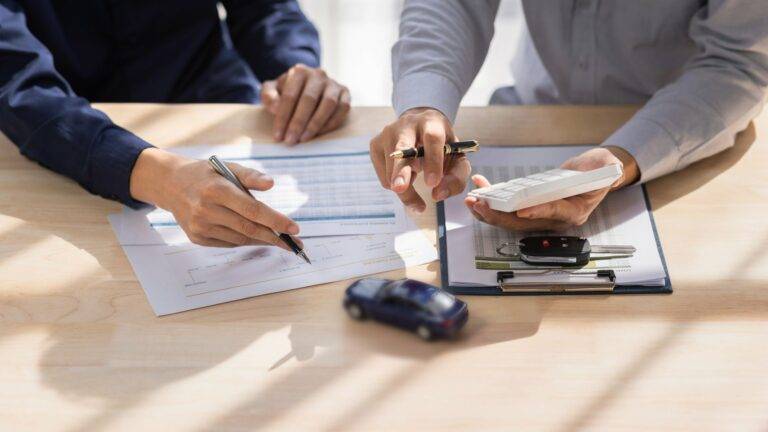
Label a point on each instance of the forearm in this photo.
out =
(721, 90)
(84, 145)
(41, 115)
(694, 118)
(442, 46)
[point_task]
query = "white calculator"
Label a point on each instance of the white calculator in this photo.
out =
(544, 187)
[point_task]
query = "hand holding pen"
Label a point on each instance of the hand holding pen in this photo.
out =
(210, 209)
(425, 132)
(284, 238)
(454, 148)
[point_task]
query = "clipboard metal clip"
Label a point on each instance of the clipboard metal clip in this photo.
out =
(579, 281)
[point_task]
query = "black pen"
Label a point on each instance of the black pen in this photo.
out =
(225, 172)
(460, 147)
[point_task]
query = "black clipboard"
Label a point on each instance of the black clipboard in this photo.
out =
(442, 242)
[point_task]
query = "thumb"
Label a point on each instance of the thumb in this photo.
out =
(251, 178)
(270, 97)
(480, 181)
(560, 210)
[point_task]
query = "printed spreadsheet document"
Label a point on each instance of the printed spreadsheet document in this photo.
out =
(327, 187)
(621, 219)
(350, 227)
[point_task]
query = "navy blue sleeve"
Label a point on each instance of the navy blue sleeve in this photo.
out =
(42, 116)
(272, 35)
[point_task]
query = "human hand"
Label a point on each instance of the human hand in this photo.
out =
(211, 210)
(445, 174)
(561, 214)
(305, 103)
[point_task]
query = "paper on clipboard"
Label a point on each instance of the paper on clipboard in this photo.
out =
(621, 219)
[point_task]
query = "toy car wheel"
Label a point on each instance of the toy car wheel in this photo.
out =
(424, 332)
(355, 311)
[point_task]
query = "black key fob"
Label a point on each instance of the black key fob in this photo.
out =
(555, 251)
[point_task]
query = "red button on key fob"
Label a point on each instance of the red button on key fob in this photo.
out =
(568, 251)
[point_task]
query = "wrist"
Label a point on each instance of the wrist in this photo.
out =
(422, 110)
(630, 168)
(150, 175)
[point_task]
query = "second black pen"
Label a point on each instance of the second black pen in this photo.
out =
(459, 147)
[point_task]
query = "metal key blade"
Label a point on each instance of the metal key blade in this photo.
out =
(614, 249)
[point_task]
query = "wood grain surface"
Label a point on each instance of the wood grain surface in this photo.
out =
(80, 349)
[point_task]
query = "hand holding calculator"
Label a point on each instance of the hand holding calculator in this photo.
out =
(545, 186)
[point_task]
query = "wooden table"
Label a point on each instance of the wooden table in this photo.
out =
(80, 349)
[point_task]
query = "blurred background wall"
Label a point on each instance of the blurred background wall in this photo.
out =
(357, 36)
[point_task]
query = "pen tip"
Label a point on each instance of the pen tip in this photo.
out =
(306, 258)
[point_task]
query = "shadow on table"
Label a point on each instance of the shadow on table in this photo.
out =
(106, 349)
(347, 348)
(92, 354)
(669, 188)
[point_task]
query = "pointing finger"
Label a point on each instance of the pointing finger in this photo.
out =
(251, 178)
(433, 140)
(400, 169)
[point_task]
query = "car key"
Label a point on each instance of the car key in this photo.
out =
(563, 251)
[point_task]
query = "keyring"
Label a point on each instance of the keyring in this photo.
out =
(500, 250)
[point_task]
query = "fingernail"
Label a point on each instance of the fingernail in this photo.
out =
(305, 136)
(417, 208)
(263, 177)
(399, 181)
(432, 180)
(277, 135)
(290, 138)
(442, 194)
(479, 207)
(293, 229)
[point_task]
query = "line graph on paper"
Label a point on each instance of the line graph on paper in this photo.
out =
(206, 270)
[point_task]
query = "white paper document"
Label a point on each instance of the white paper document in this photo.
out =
(327, 187)
(177, 275)
(621, 219)
(182, 277)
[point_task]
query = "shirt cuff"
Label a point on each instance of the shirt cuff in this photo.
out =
(426, 89)
(288, 58)
(112, 161)
(652, 146)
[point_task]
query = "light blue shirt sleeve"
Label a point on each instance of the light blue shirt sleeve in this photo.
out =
(699, 68)
(442, 45)
(720, 91)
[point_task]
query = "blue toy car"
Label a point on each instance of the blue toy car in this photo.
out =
(413, 305)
